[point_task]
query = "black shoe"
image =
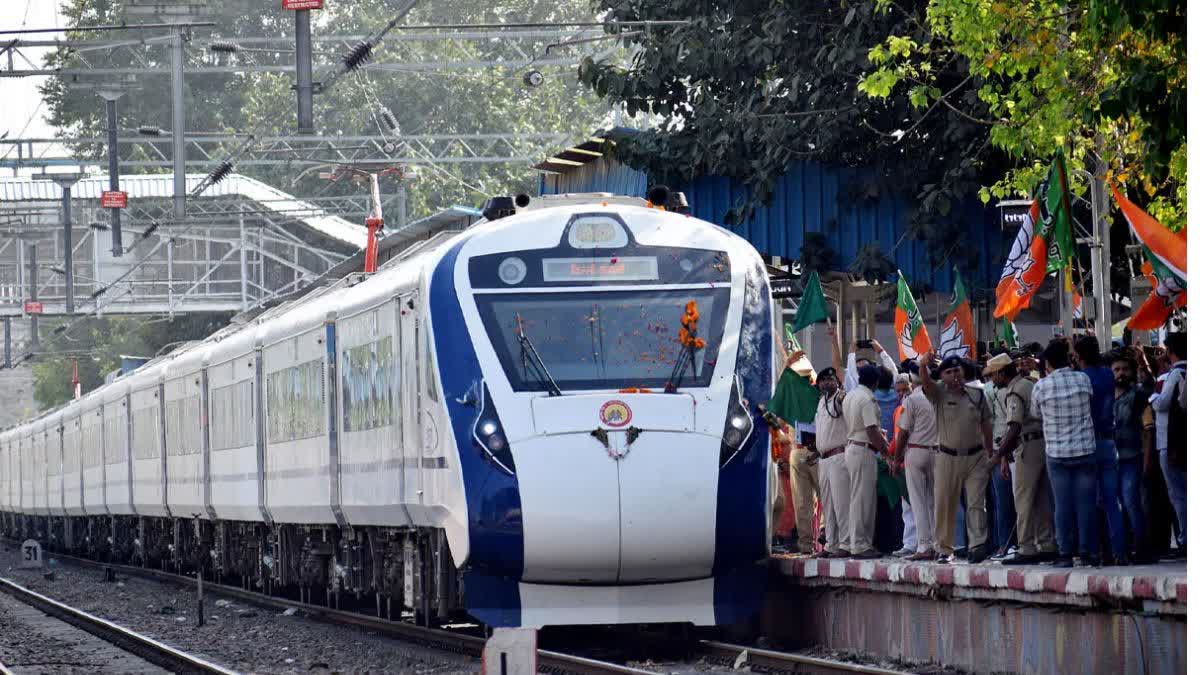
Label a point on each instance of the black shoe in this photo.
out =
(1046, 557)
(869, 554)
(1121, 561)
(945, 559)
(1021, 559)
(1064, 561)
(960, 552)
(978, 555)
(1090, 561)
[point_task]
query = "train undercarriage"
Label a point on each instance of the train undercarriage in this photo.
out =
(396, 573)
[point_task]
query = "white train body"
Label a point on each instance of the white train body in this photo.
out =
(403, 402)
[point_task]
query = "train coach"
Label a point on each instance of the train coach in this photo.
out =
(546, 419)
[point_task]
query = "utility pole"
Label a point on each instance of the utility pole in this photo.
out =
(304, 81)
(65, 181)
(110, 97)
(33, 297)
(179, 149)
(8, 342)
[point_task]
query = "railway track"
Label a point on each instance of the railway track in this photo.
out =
(750, 658)
(146, 648)
(765, 660)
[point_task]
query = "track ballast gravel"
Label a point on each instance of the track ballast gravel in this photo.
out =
(236, 635)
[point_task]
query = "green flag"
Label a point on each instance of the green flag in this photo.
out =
(1061, 243)
(812, 304)
(1006, 331)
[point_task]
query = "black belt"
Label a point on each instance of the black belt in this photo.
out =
(960, 453)
(833, 452)
(1032, 436)
(922, 447)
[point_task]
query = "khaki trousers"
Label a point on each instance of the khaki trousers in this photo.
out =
(1031, 494)
(805, 484)
(864, 472)
(951, 474)
(835, 502)
(918, 475)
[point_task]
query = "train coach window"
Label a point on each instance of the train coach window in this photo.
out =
(232, 424)
(295, 402)
(369, 392)
(603, 340)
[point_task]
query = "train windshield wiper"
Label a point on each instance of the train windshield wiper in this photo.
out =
(530, 360)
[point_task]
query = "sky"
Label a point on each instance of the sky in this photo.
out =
(20, 95)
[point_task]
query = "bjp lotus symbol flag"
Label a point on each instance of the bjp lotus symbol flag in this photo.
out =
(1043, 245)
(912, 339)
(958, 330)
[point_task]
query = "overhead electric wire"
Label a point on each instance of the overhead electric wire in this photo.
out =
(355, 58)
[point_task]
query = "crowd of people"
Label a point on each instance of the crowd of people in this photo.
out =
(1063, 455)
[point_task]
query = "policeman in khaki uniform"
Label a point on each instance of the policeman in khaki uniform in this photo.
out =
(830, 422)
(964, 451)
(1023, 449)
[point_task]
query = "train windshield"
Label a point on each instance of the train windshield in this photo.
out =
(603, 340)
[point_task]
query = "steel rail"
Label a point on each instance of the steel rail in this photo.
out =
(144, 647)
(435, 638)
(782, 662)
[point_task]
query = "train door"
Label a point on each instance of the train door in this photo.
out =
(408, 372)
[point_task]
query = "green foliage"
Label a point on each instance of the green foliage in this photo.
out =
(98, 344)
(1104, 78)
(750, 87)
(424, 102)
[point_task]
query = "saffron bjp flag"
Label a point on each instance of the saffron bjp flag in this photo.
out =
(958, 329)
(1168, 294)
(1025, 268)
(912, 339)
(1169, 248)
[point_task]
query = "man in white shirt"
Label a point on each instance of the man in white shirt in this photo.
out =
(1171, 444)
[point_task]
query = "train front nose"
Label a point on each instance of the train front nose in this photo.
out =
(617, 490)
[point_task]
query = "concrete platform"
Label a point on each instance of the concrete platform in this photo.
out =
(985, 618)
(1160, 588)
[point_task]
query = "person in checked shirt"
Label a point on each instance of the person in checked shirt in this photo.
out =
(1062, 399)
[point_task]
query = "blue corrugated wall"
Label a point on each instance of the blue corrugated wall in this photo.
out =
(808, 199)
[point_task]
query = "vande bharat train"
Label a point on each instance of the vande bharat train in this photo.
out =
(549, 418)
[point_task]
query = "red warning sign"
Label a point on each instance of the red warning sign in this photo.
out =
(303, 4)
(112, 199)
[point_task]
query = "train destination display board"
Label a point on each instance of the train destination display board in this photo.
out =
(636, 268)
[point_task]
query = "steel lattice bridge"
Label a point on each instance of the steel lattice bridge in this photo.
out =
(242, 244)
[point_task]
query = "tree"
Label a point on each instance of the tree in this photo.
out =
(97, 345)
(1104, 78)
(750, 86)
(436, 102)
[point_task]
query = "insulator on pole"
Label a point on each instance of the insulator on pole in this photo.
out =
(357, 55)
(389, 118)
(223, 46)
(220, 172)
(150, 130)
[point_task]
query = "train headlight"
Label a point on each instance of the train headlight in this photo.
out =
(489, 434)
(512, 270)
(738, 424)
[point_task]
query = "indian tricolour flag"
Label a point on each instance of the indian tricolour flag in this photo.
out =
(1165, 254)
(958, 329)
(912, 339)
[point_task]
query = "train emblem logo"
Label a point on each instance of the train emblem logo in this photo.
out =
(615, 413)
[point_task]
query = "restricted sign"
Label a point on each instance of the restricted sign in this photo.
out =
(31, 555)
(303, 4)
(113, 199)
(32, 307)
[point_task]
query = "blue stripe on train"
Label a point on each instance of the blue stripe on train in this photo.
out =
(739, 568)
(494, 518)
